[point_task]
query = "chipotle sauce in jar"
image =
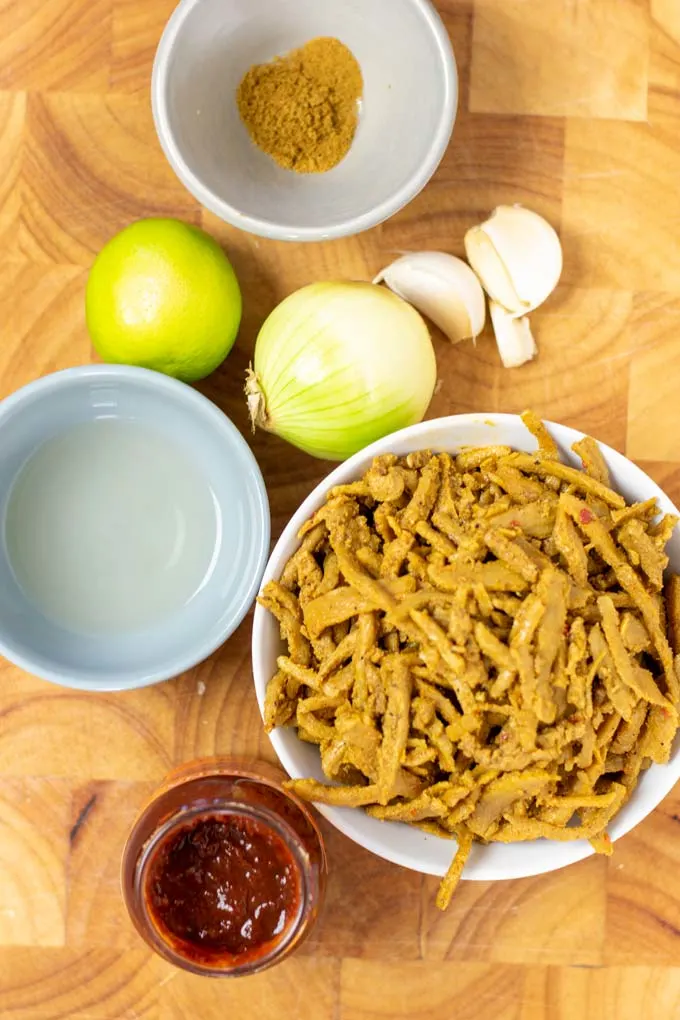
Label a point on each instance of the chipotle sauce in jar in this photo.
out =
(224, 871)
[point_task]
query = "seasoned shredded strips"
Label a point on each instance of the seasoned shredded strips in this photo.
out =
(481, 645)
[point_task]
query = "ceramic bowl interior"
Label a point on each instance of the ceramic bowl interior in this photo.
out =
(408, 110)
(58, 403)
(394, 841)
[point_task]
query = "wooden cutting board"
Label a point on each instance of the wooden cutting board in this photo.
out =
(569, 106)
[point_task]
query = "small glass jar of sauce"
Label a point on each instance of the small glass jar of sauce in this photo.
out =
(224, 871)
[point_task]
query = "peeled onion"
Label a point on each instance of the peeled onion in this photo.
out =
(339, 365)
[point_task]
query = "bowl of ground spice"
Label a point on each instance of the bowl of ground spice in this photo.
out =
(303, 120)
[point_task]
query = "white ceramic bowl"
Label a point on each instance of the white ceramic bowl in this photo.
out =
(394, 841)
(180, 415)
(408, 110)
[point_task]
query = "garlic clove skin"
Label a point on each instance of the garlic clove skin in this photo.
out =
(443, 288)
(517, 255)
(516, 344)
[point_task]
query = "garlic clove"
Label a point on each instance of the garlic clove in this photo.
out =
(517, 256)
(443, 288)
(516, 344)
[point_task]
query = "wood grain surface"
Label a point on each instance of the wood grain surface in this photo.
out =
(569, 106)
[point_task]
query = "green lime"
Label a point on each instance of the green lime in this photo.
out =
(163, 295)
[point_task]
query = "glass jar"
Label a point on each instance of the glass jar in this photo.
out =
(217, 831)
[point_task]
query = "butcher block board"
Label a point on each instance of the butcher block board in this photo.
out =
(571, 107)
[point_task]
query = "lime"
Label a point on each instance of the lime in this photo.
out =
(162, 294)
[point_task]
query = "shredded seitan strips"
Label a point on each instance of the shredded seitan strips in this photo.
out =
(642, 552)
(478, 645)
(632, 674)
(454, 874)
(570, 546)
(286, 608)
(347, 602)
(396, 725)
(620, 694)
(629, 580)
(547, 447)
(593, 462)
(513, 554)
(555, 469)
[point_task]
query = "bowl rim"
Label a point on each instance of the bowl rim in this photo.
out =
(346, 227)
(667, 776)
(194, 401)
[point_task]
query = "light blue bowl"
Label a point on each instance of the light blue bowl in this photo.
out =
(53, 405)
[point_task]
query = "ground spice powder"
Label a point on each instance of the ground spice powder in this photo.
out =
(302, 109)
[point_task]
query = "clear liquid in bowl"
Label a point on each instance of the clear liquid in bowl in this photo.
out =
(110, 528)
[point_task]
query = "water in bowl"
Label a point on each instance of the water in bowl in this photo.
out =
(110, 527)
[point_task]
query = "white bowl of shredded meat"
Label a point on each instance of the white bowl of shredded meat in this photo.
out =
(474, 651)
